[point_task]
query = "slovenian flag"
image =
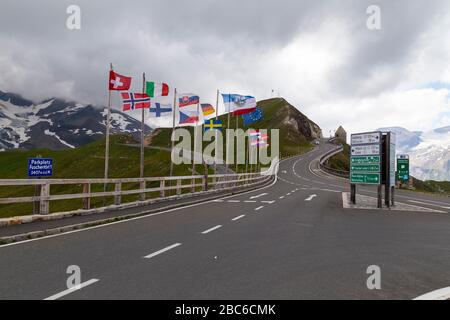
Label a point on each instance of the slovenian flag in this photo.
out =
(188, 104)
(155, 89)
(239, 104)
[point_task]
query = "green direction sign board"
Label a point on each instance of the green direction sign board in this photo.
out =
(403, 169)
(365, 178)
(365, 168)
(365, 160)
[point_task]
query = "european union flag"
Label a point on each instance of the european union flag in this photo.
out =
(212, 125)
(253, 116)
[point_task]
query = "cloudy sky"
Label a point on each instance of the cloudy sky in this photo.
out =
(319, 55)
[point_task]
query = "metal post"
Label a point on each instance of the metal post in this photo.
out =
(353, 193)
(141, 171)
(108, 121)
(379, 202)
(387, 153)
(173, 130)
(392, 196)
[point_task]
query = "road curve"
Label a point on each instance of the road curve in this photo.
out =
(289, 240)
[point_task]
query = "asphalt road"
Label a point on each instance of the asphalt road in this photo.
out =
(290, 240)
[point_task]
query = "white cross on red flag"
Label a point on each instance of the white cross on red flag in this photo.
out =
(119, 82)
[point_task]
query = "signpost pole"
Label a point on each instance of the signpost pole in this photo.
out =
(353, 193)
(379, 206)
(387, 157)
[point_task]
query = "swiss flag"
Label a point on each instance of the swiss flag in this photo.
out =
(119, 82)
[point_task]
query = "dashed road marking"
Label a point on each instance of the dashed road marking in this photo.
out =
(212, 229)
(259, 208)
(258, 196)
(154, 254)
(238, 217)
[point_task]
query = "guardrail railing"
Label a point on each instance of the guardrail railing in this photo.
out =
(203, 183)
(324, 167)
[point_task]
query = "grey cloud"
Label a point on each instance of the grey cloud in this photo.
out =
(201, 45)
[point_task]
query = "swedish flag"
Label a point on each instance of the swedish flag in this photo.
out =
(212, 125)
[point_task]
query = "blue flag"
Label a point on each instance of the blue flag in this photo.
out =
(252, 117)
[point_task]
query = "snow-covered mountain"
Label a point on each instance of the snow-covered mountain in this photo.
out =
(429, 152)
(55, 123)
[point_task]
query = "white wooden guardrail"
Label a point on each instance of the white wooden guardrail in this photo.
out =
(166, 184)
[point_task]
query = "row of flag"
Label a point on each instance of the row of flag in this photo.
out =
(189, 106)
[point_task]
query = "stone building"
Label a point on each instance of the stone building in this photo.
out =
(341, 134)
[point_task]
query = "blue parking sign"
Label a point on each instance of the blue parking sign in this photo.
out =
(40, 167)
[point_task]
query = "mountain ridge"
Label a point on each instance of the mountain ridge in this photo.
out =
(56, 123)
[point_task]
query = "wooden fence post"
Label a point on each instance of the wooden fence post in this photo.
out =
(44, 207)
(143, 186)
(162, 186)
(118, 197)
(87, 199)
(178, 187)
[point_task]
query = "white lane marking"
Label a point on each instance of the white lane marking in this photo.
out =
(430, 204)
(259, 208)
(250, 201)
(311, 197)
(234, 201)
(73, 289)
(441, 294)
(258, 196)
(282, 197)
(269, 202)
(154, 254)
(238, 217)
(288, 194)
(218, 200)
(212, 229)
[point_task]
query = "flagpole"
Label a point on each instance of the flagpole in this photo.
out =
(173, 129)
(237, 141)
(141, 173)
(228, 127)
(217, 117)
(108, 120)
(195, 142)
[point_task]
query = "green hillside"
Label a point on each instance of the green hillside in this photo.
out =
(88, 162)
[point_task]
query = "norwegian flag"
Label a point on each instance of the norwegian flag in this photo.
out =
(118, 82)
(133, 101)
(258, 138)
